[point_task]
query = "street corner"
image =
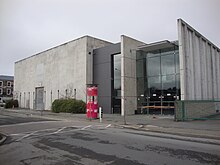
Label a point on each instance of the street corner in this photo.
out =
(3, 137)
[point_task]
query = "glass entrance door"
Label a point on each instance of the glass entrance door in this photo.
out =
(161, 81)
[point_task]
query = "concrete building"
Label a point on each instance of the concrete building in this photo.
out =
(56, 73)
(6, 87)
(130, 74)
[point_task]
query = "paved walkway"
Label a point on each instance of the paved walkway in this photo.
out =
(158, 124)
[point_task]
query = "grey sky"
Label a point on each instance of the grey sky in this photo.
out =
(31, 26)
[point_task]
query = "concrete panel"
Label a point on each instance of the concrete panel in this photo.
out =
(128, 74)
(197, 84)
(92, 43)
(198, 64)
(218, 72)
(59, 70)
(204, 92)
(209, 70)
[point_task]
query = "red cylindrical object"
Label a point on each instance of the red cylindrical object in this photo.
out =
(92, 102)
(94, 91)
(95, 111)
(89, 91)
(89, 109)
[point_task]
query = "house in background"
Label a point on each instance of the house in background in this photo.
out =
(6, 87)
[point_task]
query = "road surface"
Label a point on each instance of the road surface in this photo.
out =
(42, 141)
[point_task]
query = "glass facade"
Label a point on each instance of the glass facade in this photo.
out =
(158, 80)
(116, 83)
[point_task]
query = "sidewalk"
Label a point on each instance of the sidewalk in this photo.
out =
(209, 129)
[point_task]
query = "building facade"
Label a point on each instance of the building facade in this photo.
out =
(130, 74)
(6, 87)
(60, 72)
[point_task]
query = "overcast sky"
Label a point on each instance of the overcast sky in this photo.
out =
(31, 26)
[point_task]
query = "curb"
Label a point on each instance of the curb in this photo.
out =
(4, 137)
(185, 136)
(174, 136)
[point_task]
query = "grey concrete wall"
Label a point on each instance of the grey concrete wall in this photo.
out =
(195, 109)
(199, 110)
(102, 74)
(62, 68)
(92, 43)
(128, 74)
(199, 65)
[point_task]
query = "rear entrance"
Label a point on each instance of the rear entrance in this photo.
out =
(39, 99)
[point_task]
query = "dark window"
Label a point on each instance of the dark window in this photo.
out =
(8, 83)
(1, 83)
(116, 94)
(140, 68)
(8, 91)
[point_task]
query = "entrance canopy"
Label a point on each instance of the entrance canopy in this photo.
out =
(158, 45)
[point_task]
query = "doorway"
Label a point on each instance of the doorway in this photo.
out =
(39, 98)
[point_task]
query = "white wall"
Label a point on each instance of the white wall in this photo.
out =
(199, 65)
(60, 68)
(128, 75)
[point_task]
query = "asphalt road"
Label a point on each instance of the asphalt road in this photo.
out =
(72, 142)
(6, 119)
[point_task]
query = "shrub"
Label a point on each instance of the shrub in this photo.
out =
(11, 103)
(69, 106)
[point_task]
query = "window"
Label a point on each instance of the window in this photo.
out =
(8, 91)
(167, 64)
(1, 83)
(153, 66)
(158, 77)
(1, 91)
(9, 83)
(116, 78)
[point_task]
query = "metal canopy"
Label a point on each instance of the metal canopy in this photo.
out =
(157, 45)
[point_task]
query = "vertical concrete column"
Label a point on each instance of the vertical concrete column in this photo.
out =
(218, 72)
(197, 68)
(181, 33)
(128, 75)
(209, 71)
(204, 91)
(214, 74)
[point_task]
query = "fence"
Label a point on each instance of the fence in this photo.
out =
(156, 107)
(197, 110)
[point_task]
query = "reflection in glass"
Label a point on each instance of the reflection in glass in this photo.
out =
(153, 53)
(159, 84)
(117, 84)
(168, 83)
(153, 66)
(116, 93)
(167, 64)
(140, 68)
(177, 61)
(154, 83)
(117, 70)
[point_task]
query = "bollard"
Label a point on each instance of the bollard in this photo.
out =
(100, 114)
